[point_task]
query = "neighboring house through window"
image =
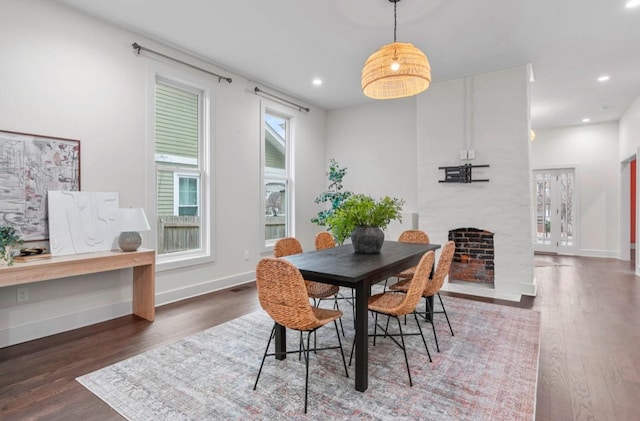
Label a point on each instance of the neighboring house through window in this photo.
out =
(277, 194)
(186, 195)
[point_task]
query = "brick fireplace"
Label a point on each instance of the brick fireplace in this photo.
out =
(473, 260)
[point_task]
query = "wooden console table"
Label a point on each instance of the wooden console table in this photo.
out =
(142, 261)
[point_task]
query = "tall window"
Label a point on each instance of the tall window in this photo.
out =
(276, 176)
(180, 167)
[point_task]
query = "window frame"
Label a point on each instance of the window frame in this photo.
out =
(184, 79)
(272, 108)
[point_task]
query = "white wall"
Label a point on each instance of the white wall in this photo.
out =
(630, 131)
(497, 105)
(377, 144)
(592, 149)
(67, 75)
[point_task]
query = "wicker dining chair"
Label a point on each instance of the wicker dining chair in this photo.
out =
(395, 304)
(283, 295)
(324, 240)
(317, 290)
(433, 287)
(409, 236)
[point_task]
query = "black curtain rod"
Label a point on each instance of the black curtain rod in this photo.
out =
(139, 48)
(257, 91)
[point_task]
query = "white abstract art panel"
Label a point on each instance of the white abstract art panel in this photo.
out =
(82, 222)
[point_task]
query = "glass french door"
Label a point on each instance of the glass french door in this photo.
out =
(554, 199)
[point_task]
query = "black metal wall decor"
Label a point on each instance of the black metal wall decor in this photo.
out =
(461, 174)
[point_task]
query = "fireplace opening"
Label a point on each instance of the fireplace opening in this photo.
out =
(473, 260)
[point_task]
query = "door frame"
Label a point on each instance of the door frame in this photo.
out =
(625, 210)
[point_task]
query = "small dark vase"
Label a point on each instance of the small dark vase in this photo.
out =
(367, 240)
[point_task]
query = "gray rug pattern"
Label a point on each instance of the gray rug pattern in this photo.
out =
(487, 371)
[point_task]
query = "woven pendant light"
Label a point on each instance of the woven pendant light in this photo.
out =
(396, 70)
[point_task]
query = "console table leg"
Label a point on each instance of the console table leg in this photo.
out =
(144, 292)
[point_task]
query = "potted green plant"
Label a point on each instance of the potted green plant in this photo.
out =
(8, 240)
(363, 218)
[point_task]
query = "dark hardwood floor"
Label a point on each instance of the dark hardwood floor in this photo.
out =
(589, 356)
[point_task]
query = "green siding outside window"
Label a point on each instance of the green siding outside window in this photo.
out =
(178, 172)
(176, 121)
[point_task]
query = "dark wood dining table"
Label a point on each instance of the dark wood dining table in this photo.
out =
(341, 266)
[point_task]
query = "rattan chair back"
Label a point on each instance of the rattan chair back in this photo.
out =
(317, 290)
(414, 293)
(411, 236)
(324, 240)
(442, 270)
(283, 295)
(287, 247)
(414, 236)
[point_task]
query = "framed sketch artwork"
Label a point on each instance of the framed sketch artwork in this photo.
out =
(30, 166)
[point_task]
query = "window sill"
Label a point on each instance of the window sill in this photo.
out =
(181, 260)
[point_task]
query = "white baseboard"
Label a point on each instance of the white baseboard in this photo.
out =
(480, 291)
(40, 329)
(609, 254)
(530, 289)
(190, 291)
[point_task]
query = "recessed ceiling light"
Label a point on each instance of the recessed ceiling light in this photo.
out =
(586, 120)
(317, 82)
(604, 78)
(632, 3)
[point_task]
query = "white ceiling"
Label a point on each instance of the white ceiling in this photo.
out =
(286, 43)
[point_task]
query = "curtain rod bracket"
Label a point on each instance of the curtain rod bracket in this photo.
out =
(139, 48)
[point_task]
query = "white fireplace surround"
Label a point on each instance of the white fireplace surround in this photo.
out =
(489, 116)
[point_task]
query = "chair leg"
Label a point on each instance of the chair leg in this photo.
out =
(306, 350)
(337, 307)
(306, 378)
(300, 346)
(353, 346)
(344, 362)
(433, 325)
(375, 329)
(353, 307)
(423, 340)
(404, 350)
(316, 303)
(445, 314)
(271, 336)
(386, 327)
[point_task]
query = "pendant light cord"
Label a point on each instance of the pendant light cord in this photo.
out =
(395, 20)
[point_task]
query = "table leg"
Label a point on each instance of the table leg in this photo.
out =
(281, 342)
(144, 291)
(429, 299)
(361, 340)
(426, 310)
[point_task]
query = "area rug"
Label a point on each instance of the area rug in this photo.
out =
(487, 371)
